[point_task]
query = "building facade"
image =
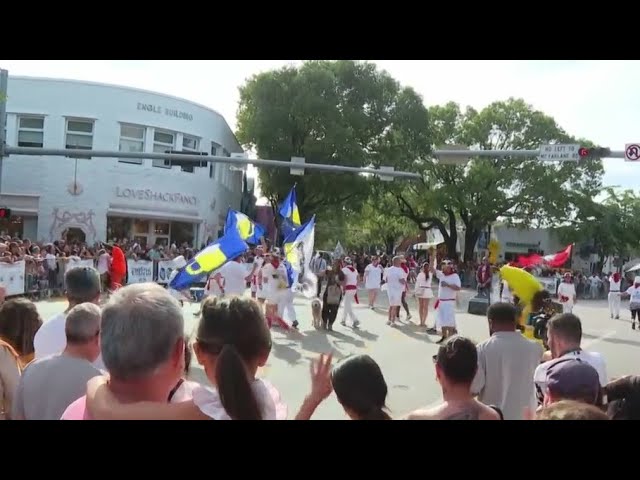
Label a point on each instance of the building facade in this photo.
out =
(98, 199)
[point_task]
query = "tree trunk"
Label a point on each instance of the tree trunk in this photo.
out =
(390, 243)
(470, 238)
(452, 239)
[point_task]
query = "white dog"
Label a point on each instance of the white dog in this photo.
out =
(316, 313)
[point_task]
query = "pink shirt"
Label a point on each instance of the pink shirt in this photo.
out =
(77, 410)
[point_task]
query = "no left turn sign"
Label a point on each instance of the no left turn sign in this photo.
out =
(632, 152)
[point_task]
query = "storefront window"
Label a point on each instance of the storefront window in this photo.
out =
(141, 226)
(182, 232)
(12, 226)
(161, 228)
(118, 228)
(141, 240)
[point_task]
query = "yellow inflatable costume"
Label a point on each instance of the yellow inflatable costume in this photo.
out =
(523, 285)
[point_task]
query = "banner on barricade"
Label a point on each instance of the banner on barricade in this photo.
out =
(72, 263)
(140, 271)
(165, 267)
(12, 277)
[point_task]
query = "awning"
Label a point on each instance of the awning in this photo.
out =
(187, 216)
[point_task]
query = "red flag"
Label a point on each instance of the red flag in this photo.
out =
(529, 260)
(557, 260)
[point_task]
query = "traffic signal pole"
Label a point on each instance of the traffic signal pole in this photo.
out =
(4, 80)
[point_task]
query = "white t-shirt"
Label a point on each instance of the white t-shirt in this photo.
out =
(257, 264)
(506, 291)
(351, 277)
(393, 275)
(51, 261)
(372, 276)
(447, 293)
(234, 274)
(50, 339)
(594, 281)
(422, 281)
(614, 286)
(634, 295)
(271, 285)
(103, 263)
(594, 359)
(566, 290)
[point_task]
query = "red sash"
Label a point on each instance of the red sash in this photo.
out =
(437, 304)
(353, 287)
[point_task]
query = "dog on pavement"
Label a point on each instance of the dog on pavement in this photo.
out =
(316, 313)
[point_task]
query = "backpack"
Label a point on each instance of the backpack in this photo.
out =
(334, 294)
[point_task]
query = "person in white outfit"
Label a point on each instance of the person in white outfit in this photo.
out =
(567, 293)
(424, 293)
(633, 292)
(615, 282)
(449, 287)
(396, 281)
(372, 280)
(234, 274)
(285, 303)
(350, 293)
(505, 292)
(256, 281)
(274, 280)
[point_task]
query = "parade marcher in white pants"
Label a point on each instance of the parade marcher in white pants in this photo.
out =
(567, 293)
(372, 280)
(614, 295)
(285, 304)
(396, 282)
(424, 293)
(350, 293)
(446, 304)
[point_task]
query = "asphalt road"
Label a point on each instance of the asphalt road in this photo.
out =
(403, 353)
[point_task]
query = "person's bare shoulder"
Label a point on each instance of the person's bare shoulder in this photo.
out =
(487, 413)
(424, 414)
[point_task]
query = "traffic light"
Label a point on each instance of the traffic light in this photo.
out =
(596, 152)
(5, 213)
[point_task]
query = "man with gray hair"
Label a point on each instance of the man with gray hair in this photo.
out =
(142, 341)
(49, 384)
(82, 284)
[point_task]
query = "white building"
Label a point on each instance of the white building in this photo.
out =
(153, 201)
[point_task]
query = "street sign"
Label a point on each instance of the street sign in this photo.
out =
(559, 153)
(461, 158)
(632, 152)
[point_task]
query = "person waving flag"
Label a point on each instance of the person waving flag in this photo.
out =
(298, 251)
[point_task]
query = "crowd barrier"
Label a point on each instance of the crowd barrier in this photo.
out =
(16, 280)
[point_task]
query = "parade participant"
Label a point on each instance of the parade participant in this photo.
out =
(403, 299)
(350, 293)
(449, 287)
(615, 282)
(274, 279)
(396, 281)
(424, 293)
(331, 301)
(117, 266)
(285, 302)
(373, 278)
(180, 295)
(256, 281)
(567, 293)
(594, 286)
(633, 293)
(234, 274)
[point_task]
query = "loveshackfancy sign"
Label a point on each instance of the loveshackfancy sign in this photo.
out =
(150, 195)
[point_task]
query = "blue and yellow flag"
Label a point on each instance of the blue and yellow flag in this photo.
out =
(298, 251)
(289, 208)
(248, 230)
(214, 256)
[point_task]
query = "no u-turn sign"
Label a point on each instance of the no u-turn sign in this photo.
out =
(632, 152)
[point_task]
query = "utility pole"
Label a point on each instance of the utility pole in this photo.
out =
(4, 80)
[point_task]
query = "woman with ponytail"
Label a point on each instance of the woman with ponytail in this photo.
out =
(232, 342)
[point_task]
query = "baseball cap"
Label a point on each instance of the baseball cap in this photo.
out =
(82, 283)
(573, 379)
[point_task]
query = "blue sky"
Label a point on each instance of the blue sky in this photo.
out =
(598, 100)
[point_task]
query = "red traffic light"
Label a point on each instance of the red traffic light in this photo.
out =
(583, 152)
(5, 213)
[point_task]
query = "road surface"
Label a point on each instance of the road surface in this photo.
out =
(404, 353)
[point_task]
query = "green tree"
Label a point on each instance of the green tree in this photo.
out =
(607, 227)
(344, 112)
(523, 192)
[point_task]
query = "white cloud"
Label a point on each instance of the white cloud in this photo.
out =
(598, 100)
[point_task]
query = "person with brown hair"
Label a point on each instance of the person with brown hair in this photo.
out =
(570, 410)
(456, 365)
(19, 322)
